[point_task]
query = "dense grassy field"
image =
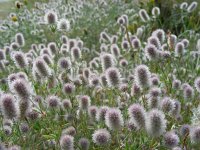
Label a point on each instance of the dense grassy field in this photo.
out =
(5, 8)
(100, 75)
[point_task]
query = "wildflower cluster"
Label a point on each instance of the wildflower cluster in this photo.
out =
(120, 89)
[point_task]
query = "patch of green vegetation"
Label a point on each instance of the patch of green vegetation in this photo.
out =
(5, 8)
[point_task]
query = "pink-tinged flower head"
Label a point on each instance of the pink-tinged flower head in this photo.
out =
(137, 114)
(101, 113)
(155, 92)
(84, 102)
(103, 80)
(151, 52)
(53, 48)
(142, 76)
(107, 61)
(20, 59)
(7, 130)
(41, 67)
(185, 43)
(123, 63)
(7, 50)
(143, 15)
(104, 36)
(184, 5)
(53, 101)
(155, 11)
(171, 139)
(153, 40)
(24, 128)
(84, 144)
(113, 77)
(67, 142)
(68, 88)
(192, 7)
(188, 92)
(64, 63)
(94, 80)
(167, 104)
(51, 17)
(121, 21)
(153, 102)
(92, 111)
(22, 75)
(101, 137)
(32, 115)
(12, 77)
(184, 130)
(195, 135)
(7, 122)
(75, 53)
(136, 43)
(115, 51)
(69, 131)
(34, 47)
(19, 38)
(176, 84)
(155, 123)
(45, 51)
(86, 73)
(66, 104)
(21, 88)
(131, 125)
(47, 59)
(8, 106)
(125, 45)
(80, 44)
(135, 90)
(63, 24)
(125, 18)
(71, 43)
(114, 39)
(114, 119)
(179, 49)
(14, 46)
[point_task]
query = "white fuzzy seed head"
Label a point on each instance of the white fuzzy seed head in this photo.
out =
(51, 17)
(155, 123)
(114, 119)
(63, 25)
(137, 114)
(155, 11)
(171, 139)
(142, 76)
(192, 7)
(101, 137)
(67, 142)
(143, 15)
(113, 77)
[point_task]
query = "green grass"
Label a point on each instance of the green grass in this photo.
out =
(5, 9)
